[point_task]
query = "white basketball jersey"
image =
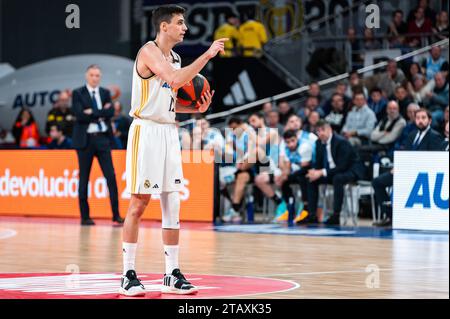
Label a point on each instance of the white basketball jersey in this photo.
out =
(153, 98)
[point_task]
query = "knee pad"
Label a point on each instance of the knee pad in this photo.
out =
(170, 207)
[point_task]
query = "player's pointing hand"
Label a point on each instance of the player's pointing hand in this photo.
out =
(216, 47)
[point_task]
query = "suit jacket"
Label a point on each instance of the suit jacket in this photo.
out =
(344, 156)
(81, 100)
(432, 141)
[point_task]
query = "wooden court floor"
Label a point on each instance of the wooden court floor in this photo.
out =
(324, 267)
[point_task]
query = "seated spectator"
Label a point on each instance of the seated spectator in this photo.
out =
(437, 100)
(6, 138)
(209, 138)
(25, 130)
(311, 104)
(428, 11)
(313, 119)
(397, 30)
(390, 79)
(59, 140)
(410, 126)
(390, 128)
(369, 41)
(240, 141)
(360, 121)
(377, 102)
(356, 85)
(417, 88)
(314, 90)
(336, 163)
(296, 123)
(295, 159)
(440, 28)
(338, 113)
(267, 108)
(413, 70)
(273, 121)
(285, 110)
(434, 63)
(420, 24)
(120, 125)
(61, 113)
(341, 89)
(402, 98)
(424, 139)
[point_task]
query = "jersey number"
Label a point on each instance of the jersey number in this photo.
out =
(171, 106)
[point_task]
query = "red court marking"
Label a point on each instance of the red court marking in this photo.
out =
(105, 286)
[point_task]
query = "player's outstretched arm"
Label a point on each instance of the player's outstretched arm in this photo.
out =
(153, 59)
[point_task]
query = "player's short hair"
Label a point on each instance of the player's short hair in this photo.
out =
(164, 14)
(93, 66)
(289, 134)
(424, 110)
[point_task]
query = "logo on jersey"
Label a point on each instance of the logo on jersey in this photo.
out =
(167, 86)
(177, 181)
(156, 186)
(147, 184)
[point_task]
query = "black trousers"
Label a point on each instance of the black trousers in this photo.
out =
(98, 146)
(299, 178)
(379, 186)
(338, 181)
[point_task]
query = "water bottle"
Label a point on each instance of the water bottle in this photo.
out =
(291, 210)
(250, 209)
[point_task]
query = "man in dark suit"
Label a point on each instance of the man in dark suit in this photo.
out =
(422, 139)
(92, 136)
(336, 163)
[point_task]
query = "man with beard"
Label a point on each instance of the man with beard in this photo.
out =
(424, 139)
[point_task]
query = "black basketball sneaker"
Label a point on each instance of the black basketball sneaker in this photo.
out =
(176, 283)
(131, 285)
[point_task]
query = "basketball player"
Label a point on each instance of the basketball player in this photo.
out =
(153, 152)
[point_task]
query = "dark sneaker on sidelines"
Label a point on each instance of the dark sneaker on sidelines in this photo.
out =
(176, 283)
(87, 222)
(334, 220)
(131, 286)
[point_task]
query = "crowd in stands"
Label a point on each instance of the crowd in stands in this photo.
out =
(331, 139)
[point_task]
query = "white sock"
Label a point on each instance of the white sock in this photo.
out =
(171, 254)
(129, 256)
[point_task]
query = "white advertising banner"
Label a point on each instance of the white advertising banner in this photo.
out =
(421, 197)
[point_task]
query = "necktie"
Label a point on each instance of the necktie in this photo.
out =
(416, 142)
(326, 164)
(95, 105)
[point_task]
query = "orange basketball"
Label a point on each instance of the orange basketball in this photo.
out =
(191, 92)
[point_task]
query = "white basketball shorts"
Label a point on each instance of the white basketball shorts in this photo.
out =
(153, 158)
